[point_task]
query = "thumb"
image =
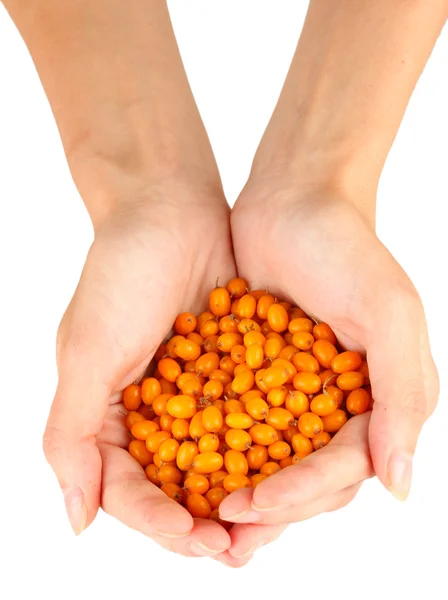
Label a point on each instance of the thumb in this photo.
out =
(404, 385)
(75, 419)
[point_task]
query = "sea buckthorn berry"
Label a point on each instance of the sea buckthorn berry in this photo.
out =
(254, 356)
(169, 369)
(217, 478)
(207, 462)
(303, 340)
(310, 424)
(237, 287)
(305, 363)
(323, 405)
(277, 396)
(195, 337)
(208, 443)
(235, 481)
(350, 380)
(214, 388)
(150, 390)
(143, 429)
(320, 440)
(254, 337)
(253, 393)
(286, 462)
(257, 479)
(277, 317)
(210, 344)
(272, 348)
(197, 484)
(287, 366)
(308, 383)
(257, 408)
(171, 346)
(239, 421)
(219, 301)
(228, 324)
(357, 402)
(234, 406)
(335, 421)
(301, 445)
(132, 418)
(288, 352)
(235, 462)
(346, 361)
(168, 450)
(196, 428)
(240, 369)
(169, 474)
(238, 439)
(238, 354)
(265, 329)
(138, 450)
(198, 506)
(246, 307)
(257, 456)
(160, 352)
(322, 331)
(234, 306)
(180, 429)
(190, 366)
(270, 468)
(132, 397)
(263, 434)
(159, 462)
(247, 326)
(181, 407)
(207, 363)
(185, 323)
(243, 382)
(301, 324)
(188, 350)
(297, 403)
(167, 387)
(297, 313)
(229, 394)
(173, 491)
(336, 393)
(275, 377)
(212, 419)
(154, 440)
(227, 341)
(328, 376)
(279, 418)
(215, 496)
(324, 351)
(288, 338)
(209, 331)
(288, 433)
(186, 454)
(279, 450)
(257, 294)
(227, 365)
(151, 473)
(263, 305)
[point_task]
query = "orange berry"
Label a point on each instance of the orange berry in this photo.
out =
(279, 418)
(310, 424)
(263, 305)
(257, 294)
(151, 473)
(323, 405)
(257, 479)
(263, 434)
(248, 326)
(214, 388)
(186, 454)
(168, 450)
(185, 323)
(277, 317)
(322, 331)
(288, 352)
(173, 491)
(188, 350)
(138, 450)
(228, 324)
(287, 366)
(254, 393)
(346, 361)
(257, 456)
(357, 402)
(246, 307)
(227, 341)
(297, 403)
(238, 439)
(216, 478)
(301, 445)
(167, 387)
(208, 443)
(169, 369)
(195, 337)
(212, 419)
(350, 380)
(219, 301)
(289, 433)
(335, 421)
(335, 393)
(259, 381)
(275, 377)
(237, 287)
(308, 383)
(243, 382)
(132, 397)
(143, 429)
(300, 325)
(324, 351)
(209, 331)
(227, 365)
(181, 407)
(327, 376)
(179, 429)
(234, 406)
(286, 462)
(257, 408)
(154, 440)
(239, 421)
(198, 506)
(279, 450)
(254, 338)
(132, 418)
(171, 346)
(215, 496)
(235, 481)
(270, 468)
(320, 440)
(303, 340)
(190, 367)
(169, 474)
(211, 343)
(238, 354)
(207, 462)
(207, 363)
(150, 389)
(305, 363)
(197, 484)
(235, 462)
(277, 396)
(272, 348)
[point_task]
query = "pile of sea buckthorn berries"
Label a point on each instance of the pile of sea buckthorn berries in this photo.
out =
(243, 390)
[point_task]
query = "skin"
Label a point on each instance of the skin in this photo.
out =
(140, 157)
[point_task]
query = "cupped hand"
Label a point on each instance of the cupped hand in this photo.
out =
(157, 254)
(317, 249)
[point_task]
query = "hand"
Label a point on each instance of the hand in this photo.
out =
(318, 250)
(153, 257)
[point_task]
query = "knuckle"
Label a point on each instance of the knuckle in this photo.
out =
(53, 444)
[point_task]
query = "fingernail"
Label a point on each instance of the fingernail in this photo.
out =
(253, 549)
(399, 474)
(269, 508)
(247, 516)
(203, 550)
(172, 535)
(75, 505)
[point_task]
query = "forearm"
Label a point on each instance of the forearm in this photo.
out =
(118, 90)
(353, 72)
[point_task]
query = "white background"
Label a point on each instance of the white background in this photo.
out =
(236, 55)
